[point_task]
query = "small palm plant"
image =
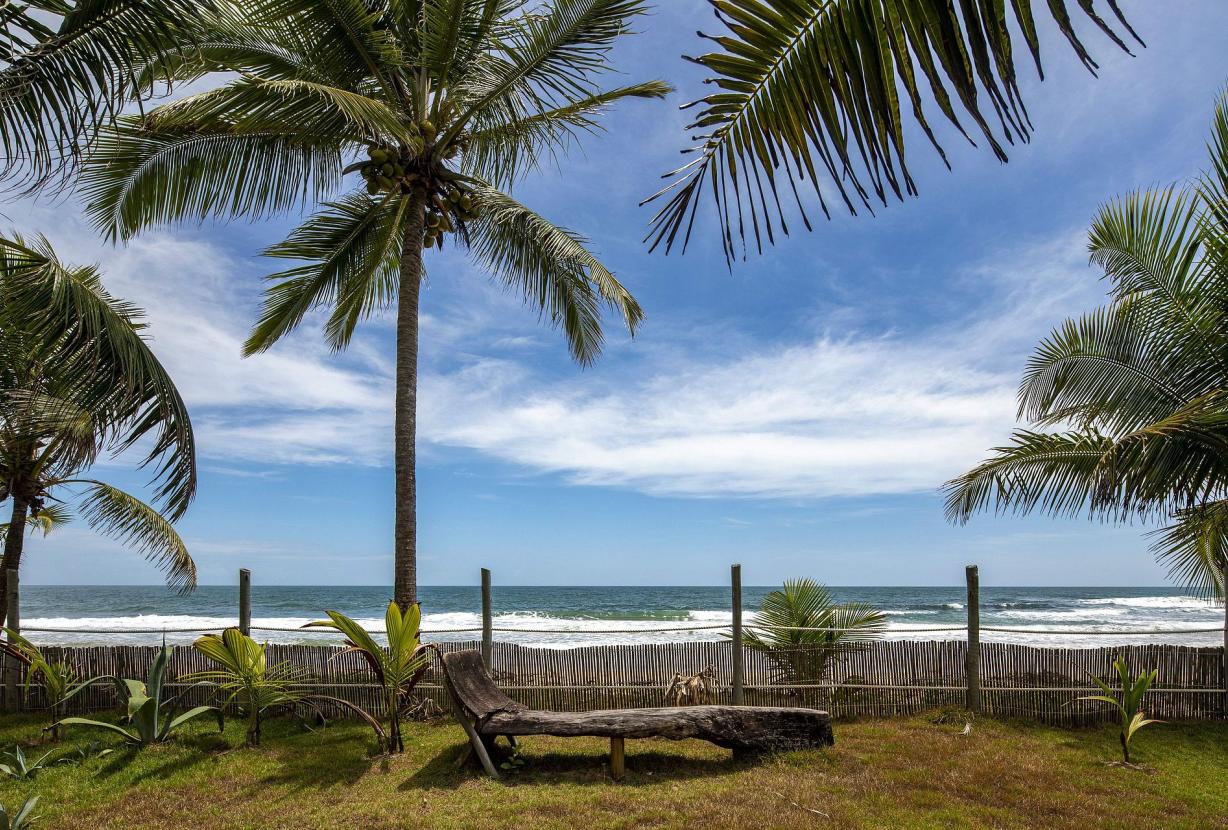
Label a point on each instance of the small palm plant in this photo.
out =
(1130, 704)
(397, 668)
(246, 677)
(150, 715)
(17, 765)
(801, 628)
(58, 679)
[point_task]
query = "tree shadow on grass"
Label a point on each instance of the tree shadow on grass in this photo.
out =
(322, 759)
(449, 768)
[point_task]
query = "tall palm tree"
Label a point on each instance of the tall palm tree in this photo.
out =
(801, 628)
(67, 67)
(77, 380)
(427, 112)
(1139, 387)
(809, 85)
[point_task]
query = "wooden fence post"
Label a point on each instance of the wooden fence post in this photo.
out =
(972, 662)
(487, 634)
(735, 576)
(12, 669)
(245, 601)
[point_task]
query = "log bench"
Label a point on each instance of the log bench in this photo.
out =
(485, 713)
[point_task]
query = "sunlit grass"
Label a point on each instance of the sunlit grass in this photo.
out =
(905, 773)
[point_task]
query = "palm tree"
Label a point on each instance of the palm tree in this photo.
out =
(77, 380)
(804, 85)
(1140, 386)
(67, 67)
(801, 628)
(439, 108)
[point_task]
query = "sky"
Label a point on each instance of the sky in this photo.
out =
(797, 414)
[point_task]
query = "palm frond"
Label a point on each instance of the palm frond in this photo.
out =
(354, 247)
(804, 85)
(1195, 547)
(551, 56)
(107, 366)
(67, 69)
(113, 512)
(552, 268)
(145, 176)
(502, 152)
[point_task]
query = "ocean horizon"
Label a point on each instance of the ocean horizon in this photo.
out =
(1071, 616)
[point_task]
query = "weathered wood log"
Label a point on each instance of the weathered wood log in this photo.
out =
(744, 729)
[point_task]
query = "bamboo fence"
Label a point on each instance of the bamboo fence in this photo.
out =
(894, 677)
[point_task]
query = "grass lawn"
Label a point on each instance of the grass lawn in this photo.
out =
(903, 773)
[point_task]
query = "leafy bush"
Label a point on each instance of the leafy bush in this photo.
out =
(150, 714)
(397, 668)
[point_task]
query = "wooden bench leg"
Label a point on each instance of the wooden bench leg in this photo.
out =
(475, 741)
(618, 758)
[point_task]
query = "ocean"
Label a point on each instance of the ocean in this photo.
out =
(602, 615)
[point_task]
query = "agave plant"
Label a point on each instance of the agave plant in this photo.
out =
(801, 628)
(20, 820)
(246, 677)
(58, 679)
(150, 715)
(17, 765)
(397, 668)
(1130, 704)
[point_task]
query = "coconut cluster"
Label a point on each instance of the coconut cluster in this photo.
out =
(451, 201)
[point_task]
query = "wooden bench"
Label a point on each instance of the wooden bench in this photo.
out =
(486, 712)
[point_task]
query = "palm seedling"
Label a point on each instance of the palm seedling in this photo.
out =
(807, 87)
(151, 712)
(1130, 702)
(57, 678)
(245, 676)
(79, 381)
(408, 124)
(801, 629)
(397, 668)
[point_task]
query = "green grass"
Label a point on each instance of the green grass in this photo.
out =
(903, 773)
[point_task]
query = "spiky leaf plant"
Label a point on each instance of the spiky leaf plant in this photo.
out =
(1137, 391)
(423, 114)
(58, 679)
(78, 380)
(803, 88)
(151, 712)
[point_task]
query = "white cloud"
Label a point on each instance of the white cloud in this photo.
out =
(856, 414)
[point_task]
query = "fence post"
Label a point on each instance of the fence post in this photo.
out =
(12, 668)
(972, 662)
(487, 634)
(245, 601)
(735, 577)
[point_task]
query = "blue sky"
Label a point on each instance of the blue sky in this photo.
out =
(797, 415)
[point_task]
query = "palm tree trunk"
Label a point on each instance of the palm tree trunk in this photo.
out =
(405, 534)
(14, 541)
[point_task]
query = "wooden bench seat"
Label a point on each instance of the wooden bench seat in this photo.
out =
(486, 712)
